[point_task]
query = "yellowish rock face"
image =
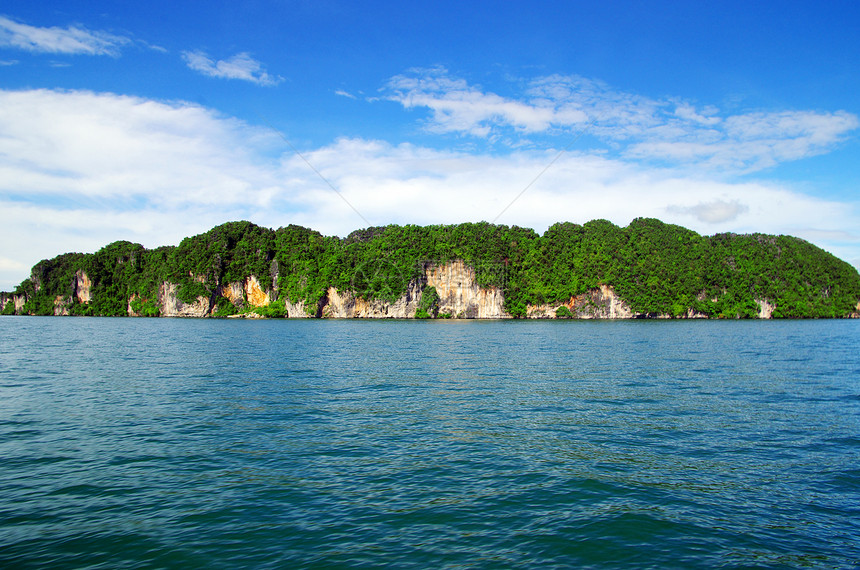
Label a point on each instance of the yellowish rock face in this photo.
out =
(255, 294)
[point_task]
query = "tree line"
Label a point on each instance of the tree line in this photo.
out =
(657, 268)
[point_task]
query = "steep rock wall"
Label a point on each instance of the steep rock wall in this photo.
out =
(233, 292)
(129, 309)
(455, 283)
(246, 293)
(171, 306)
(460, 295)
(255, 294)
(765, 309)
(299, 310)
(345, 305)
(599, 303)
(61, 306)
(82, 287)
(12, 303)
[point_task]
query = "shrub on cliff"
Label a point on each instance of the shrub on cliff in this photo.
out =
(428, 306)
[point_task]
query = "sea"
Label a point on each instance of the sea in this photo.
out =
(203, 443)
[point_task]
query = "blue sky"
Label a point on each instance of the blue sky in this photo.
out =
(152, 122)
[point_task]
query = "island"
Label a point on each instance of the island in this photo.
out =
(648, 269)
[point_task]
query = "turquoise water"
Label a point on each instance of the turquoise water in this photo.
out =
(147, 443)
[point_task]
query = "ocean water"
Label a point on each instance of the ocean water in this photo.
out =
(168, 443)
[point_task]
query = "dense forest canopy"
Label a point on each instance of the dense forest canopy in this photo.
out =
(656, 268)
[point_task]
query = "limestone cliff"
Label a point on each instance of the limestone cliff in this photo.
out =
(599, 303)
(456, 284)
(12, 304)
(242, 294)
(233, 292)
(255, 294)
(61, 306)
(300, 310)
(460, 295)
(82, 287)
(766, 309)
(346, 305)
(130, 307)
(170, 306)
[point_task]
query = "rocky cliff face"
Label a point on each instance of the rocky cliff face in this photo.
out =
(299, 310)
(765, 309)
(599, 303)
(233, 292)
(458, 290)
(61, 306)
(247, 292)
(242, 294)
(345, 305)
(12, 304)
(82, 287)
(255, 294)
(460, 295)
(171, 306)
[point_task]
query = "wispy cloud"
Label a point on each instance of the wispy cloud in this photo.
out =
(669, 131)
(240, 66)
(715, 212)
(69, 40)
(459, 107)
(90, 168)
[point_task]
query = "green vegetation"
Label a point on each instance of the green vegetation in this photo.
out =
(657, 268)
(563, 313)
(428, 307)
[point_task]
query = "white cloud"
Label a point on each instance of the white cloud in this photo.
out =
(70, 40)
(240, 66)
(669, 131)
(714, 212)
(457, 107)
(79, 170)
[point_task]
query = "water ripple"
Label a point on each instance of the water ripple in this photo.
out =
(131, 443)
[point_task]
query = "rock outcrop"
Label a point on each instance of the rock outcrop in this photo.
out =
(599, 303)
(171, 306)
(82, 287)
(299, 310)
(255, 294)
(61, 306)
(765, 309)
(346, 305)
(459, 296)
(459, 293)
(456, 284)
(12, 304)
(233, 292)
